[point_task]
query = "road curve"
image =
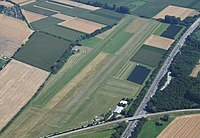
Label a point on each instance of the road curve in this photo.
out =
(154, 86)
(120, 120)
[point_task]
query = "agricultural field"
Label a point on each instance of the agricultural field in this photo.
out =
(139, 74)
(159, 42)
(82, 25)
(172, 31)
(149, 55)
(2, 63)
(42, 50)
(161, 29)
(150, 130)
(99, 132)
(23, 79)
(149, 8)
(180, 12)
(183, 126)
(13, 34)
(72, 98)
(66, 20)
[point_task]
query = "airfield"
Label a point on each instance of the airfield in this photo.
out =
(110, 66)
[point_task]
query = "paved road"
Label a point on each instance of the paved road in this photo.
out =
(122, 120)
(161, 73)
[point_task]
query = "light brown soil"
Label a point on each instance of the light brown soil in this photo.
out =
(135, 25)
(59, 5)
(82, 25)
(183, 127)
(18, 83)
(175, 11)
(32, 17)
(23, 2)
(159, 42)
(195, 71)
(6, 4)
(40, 7)
(63, 17)
(13, 34)
(80, 78)
(76, 4)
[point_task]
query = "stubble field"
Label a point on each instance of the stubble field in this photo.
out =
(18, 82)
(13, 34)
(182, 127)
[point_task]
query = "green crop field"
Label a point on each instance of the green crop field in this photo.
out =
(42, 50)
(118, 42)
(2, 63)
(149, 55)
(92, 42)
(150, 130)
(161, 29)
(45, 23)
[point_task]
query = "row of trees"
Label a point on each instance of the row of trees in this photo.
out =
(120, 9)
(177, 20)
(183, 91)
(119, 130)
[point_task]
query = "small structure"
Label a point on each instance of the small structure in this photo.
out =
(123, 102)
(75, 50)
(118, 109)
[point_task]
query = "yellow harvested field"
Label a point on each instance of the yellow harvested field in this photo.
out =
(13, 34)
(82, 25)
(159, 42)
(175, 11)
(195, 71)
(183, 127)
(32, 17)
(6, 4)
(63, 17)
(89, 70)
(76, 4)
(18, 83)
(57, 4)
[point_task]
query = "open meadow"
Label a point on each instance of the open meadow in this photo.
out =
(19, 82)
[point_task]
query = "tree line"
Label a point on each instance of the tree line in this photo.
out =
(120, 9)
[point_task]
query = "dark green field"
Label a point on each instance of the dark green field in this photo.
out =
(42, 50)
(148, 55)
(2, 63)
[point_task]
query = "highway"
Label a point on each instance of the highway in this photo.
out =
(120, 120)
(154, 86)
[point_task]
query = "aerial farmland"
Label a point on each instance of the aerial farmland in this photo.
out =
(68, 64)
